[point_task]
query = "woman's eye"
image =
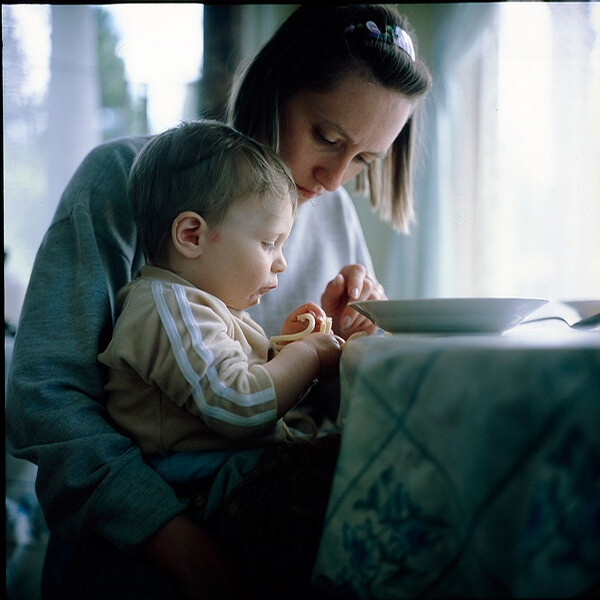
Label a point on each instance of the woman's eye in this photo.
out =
(321, 137)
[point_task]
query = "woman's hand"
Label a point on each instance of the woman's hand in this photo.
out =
(185, 551)
(351, 283)
(292, 325)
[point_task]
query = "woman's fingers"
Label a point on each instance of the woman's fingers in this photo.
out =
(351, 283)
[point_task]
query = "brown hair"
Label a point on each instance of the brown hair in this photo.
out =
(204, 166)
(311, 50)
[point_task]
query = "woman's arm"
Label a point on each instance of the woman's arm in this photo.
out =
(184, 550)
(91, 479)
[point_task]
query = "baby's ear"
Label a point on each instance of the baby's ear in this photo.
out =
(188, 233)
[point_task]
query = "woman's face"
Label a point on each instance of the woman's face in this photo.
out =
(327, 138)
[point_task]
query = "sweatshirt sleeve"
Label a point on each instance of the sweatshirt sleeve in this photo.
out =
(90, 479)
(188, 345)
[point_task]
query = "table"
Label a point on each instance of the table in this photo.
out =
(469, 467)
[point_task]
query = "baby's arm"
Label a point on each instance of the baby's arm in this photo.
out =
(295, 367)
(298, 364)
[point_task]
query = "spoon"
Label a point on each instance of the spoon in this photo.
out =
(589, 322)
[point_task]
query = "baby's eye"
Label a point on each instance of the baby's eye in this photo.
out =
(269, 245)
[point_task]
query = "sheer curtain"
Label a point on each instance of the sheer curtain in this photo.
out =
(54, 102)
(50, 102)
(467, 144)
(462, 61)
(509, 196)
(547, 231)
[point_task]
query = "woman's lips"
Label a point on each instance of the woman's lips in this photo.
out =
(307, 194)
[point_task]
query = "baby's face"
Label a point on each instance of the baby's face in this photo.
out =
(243, 257)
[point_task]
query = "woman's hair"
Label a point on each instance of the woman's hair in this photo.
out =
(204, 166)
(313, 50)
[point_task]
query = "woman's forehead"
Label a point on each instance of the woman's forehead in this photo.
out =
(363, 112)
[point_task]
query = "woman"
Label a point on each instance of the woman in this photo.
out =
(334, 92)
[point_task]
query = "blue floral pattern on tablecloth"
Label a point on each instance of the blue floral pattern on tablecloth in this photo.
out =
(484, 491)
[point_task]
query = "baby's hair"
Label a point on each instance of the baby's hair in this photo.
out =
(314, 49)
(203, 166)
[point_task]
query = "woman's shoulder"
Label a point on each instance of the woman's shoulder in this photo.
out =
(116, 155)
(98, 187)
(123, 146)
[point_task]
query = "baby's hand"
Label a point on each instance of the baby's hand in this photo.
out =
(293, 325)
(328, 348)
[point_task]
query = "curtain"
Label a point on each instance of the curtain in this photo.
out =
(457, 130)
(547, 194)
(508, 193)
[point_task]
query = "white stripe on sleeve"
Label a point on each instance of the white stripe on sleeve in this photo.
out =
(193, 378)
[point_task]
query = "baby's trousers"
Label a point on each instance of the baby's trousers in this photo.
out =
(267, 513)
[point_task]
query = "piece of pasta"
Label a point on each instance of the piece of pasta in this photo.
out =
(279, 341)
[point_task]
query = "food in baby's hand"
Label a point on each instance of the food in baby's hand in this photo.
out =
(279, 341)
(326, 325)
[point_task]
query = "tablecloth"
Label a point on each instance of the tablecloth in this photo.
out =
(469, 467)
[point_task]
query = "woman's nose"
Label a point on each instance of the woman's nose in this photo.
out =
(332, 174)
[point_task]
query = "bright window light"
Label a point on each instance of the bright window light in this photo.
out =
(161, 45)
(547, 218)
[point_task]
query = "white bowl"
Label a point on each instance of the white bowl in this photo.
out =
(448, 315)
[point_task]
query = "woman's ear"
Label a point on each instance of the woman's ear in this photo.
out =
(188, 233)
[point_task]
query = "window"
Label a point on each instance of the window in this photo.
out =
(546, 222)
(74, 76)
(508, 203)
(526, 207)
